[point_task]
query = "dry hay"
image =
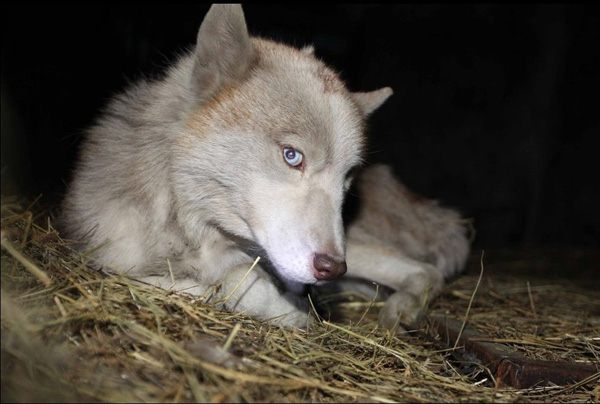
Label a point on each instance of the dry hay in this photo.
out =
(70, 333)
(551, 321)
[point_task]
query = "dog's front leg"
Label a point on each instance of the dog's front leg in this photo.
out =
(413, 282)
(239, 289)
(254, 293)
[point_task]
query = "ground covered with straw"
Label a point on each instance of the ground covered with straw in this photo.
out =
(70, 333)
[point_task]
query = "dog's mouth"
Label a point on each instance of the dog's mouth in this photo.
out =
(287, 268)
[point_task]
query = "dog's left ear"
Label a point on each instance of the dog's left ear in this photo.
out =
(370, 101)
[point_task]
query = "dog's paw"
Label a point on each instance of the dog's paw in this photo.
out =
(295, 319)
(400, 309)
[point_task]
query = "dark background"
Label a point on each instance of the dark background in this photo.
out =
(495, 110)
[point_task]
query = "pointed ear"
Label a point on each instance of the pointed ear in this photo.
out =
(224, 51)
(369, 102)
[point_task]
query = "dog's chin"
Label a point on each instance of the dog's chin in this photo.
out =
(294, 280)
(290, 268)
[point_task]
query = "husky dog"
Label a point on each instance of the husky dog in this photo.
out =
(247, 147)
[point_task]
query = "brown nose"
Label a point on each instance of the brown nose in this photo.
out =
(327, 268)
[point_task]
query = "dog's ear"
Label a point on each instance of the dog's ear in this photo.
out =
(369, 102)
(224, 51)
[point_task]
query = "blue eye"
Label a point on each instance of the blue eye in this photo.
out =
(292, 156)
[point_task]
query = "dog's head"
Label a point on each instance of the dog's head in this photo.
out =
(269, 147)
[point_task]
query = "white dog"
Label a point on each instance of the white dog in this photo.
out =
(246, 147)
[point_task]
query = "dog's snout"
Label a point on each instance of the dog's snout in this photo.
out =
(328, 268)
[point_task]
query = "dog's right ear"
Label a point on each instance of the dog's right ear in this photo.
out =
(370, 101)
(224, 51)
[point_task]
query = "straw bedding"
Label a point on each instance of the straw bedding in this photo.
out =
(70, 333)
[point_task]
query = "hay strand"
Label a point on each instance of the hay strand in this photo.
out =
(464, 323)
(30, 266)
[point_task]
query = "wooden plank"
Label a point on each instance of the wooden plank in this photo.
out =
(509, 367)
